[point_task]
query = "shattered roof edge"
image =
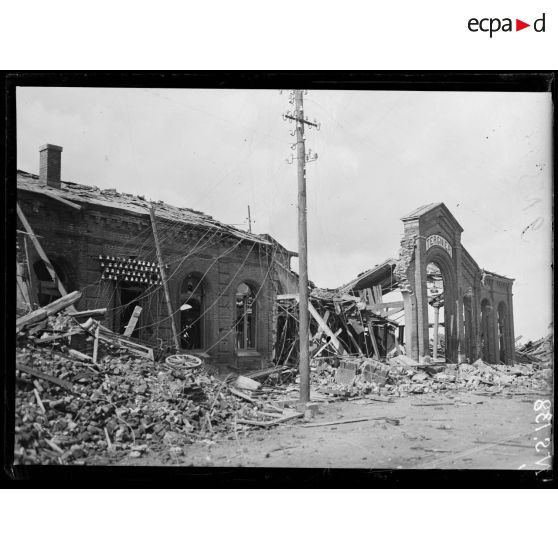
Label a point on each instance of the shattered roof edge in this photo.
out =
(364, 274)
(209, 221)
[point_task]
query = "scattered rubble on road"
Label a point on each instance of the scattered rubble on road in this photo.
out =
(358, 376)
(83, 404)
(75, 408)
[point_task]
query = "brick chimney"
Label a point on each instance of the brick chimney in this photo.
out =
(49, 173)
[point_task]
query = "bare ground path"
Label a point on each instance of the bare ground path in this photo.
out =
(435, 431)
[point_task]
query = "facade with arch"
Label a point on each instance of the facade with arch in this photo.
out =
(477, 304)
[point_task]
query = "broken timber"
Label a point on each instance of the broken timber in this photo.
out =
(41, 376)
(54, 307)
(42, 254)
(133, 321)
(334, 341)
(164, 278)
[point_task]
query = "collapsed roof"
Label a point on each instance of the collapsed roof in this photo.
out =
(110, 198)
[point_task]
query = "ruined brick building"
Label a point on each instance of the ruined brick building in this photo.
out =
(437, 279)
(222, 281)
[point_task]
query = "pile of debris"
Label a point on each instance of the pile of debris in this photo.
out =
(537, 352)
(340, 324)
(358, 377)
(77, 408)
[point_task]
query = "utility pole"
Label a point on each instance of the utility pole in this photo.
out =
(304, 320)
(164, 278)
(249, 221)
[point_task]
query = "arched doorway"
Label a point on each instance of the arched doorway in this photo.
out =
(485, 340)
(192, 307)
(439, 267)
(435, 292)
(245, 317)
(502, 333)
(468, 327)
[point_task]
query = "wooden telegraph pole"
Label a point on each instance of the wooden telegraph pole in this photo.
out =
(164, 278)
(304, 320)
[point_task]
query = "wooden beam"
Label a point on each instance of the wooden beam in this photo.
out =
(325, 318)
(328, 343)
(373, 338)
(133, 321)
(287, 297)
(22, 284)
(28, 370)
(88, 313)
(60, 199)
(48, 310)
(164, 278)
(96, 345)
(42, 254)
(391, 312)
(336, 343)
(384, 306)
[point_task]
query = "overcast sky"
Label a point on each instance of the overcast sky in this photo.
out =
(487, 156)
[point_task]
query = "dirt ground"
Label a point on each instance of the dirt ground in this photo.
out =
(434, 431)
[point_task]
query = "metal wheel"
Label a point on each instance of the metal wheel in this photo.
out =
(185, 362)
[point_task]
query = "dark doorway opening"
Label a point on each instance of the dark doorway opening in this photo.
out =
(129, 299)
(245, 317)
(192, 297)
(47, 291)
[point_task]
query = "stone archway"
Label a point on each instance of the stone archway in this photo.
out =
(442, 261)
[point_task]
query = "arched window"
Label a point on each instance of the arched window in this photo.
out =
(192, 295)
(47, 291)
(245, 317)
(502, 332)
(435, 291)
(485, 330)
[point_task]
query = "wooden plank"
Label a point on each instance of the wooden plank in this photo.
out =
(377, 293)
(96, 345)
(287, 297)
(134, 348)
(75, 331)
(42, 253)
(334, 341)
(133, 321)
(325, 319)
(370, 298)
(270, 422)
(163, 273)
(48, 310)
(390, 312)
(348, 421)
(384, 306)
(328, 343)
(32, 372)
(88, 313)
(373, 338)
(60, 199)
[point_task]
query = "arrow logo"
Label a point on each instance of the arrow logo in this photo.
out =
(519, 25)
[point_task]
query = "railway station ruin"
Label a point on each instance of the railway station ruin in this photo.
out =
(443, 303)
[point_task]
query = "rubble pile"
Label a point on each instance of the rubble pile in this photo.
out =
(358, 376)
(74, 412)
(538, 352)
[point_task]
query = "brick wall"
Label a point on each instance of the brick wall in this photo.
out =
(76, 238)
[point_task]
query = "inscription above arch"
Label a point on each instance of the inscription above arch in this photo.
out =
(438, 240)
